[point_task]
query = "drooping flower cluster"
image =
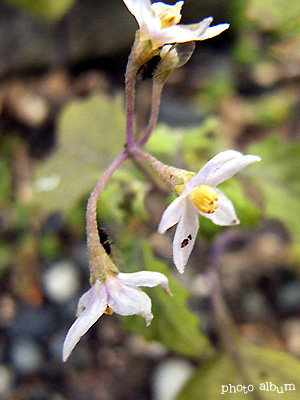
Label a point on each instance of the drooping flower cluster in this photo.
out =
(161, 44)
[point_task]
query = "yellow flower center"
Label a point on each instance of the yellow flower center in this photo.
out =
(205, 198)
(169, 15)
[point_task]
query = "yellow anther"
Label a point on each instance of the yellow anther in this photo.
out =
(205, 198)
(169, 15)
(108, 310)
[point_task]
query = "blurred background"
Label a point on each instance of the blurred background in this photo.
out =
(62, 122)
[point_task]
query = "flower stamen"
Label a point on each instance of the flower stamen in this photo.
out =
(205, 198)
(169, 15)
(108, 310)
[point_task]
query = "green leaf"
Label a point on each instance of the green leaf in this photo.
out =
(123, 197)
(90, 136)
(5, 182)
(274, 14)
(174, 325)
(50, 10)
(167, 142)
(263, 367)
(278, 178)
(246, 210)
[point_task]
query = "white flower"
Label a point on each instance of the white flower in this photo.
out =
(158, 22)
(200, 196)
(119, 293)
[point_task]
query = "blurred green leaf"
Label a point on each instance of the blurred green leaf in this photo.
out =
(173, 325)
(5, 182)
(192, 143)
(123, 197)
(50, 10)
(246, 210)
(6, 252)
(90, 136)
(262, 366)
(50, 247)
(278, 178)
(199, 141)
(274, 14)
(165, 141)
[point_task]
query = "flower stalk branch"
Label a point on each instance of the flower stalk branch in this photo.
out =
(157, 88)
(140, 53)
(93, 239)
(170, 175)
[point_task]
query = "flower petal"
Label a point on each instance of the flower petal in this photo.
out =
(139, 8)
(180, 33)
(160, 7)
(144, 278)
(225, 214)
(185, 235)
(230, 168)
(87, 318)
(171, 215)
(209, 169)
(125, 300)
(149, 22)
(84, 300)
(213, 31)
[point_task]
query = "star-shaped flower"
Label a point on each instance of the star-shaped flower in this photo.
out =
(158, 22)
(200, 196)
(119, 293)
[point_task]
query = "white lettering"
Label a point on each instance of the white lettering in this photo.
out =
(250, 388)
(223, 389)
(262, 387)
(289, 385)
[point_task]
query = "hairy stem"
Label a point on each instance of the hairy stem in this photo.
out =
(170, 175)
(93, 239)
(130, 79)
(156, 98)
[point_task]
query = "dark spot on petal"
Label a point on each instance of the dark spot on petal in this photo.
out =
(185, 241)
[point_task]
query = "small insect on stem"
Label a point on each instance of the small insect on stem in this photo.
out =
(186, 241)
(104, 240)
(148, 70)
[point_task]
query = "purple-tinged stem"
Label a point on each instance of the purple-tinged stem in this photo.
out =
(140, 54)
(92, 233)
(132, 67)
(130, 100)
(156, 98)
